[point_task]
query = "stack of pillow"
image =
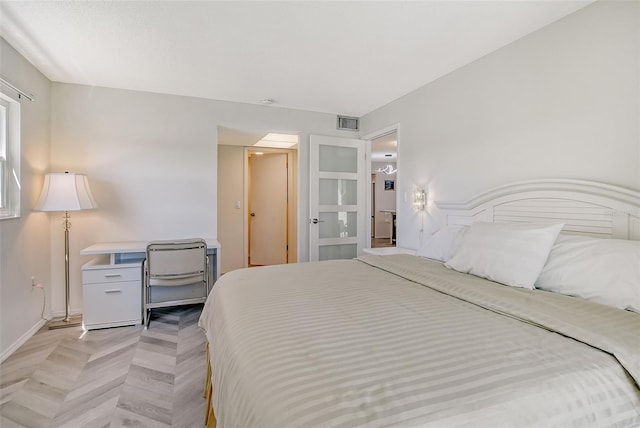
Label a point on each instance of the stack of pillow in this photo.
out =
(532, 256)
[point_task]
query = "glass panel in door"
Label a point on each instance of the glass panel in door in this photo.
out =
(338, 192)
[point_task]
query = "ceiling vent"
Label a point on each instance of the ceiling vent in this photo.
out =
(348, 123)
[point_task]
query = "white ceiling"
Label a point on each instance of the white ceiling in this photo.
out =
(329, 56)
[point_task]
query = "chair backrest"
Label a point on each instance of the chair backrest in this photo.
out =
(173, 263)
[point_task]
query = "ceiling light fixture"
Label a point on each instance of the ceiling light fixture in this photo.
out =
(388, 169)
(278, 141)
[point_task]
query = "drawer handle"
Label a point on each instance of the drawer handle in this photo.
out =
(113, 275)
(115, 290)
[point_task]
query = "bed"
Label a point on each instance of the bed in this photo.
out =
(407, 341)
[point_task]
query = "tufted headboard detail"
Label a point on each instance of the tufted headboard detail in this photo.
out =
(585, 207)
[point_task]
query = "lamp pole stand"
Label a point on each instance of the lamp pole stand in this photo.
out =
(68, 320)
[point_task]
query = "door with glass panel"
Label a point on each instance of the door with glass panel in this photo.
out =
(337, 198)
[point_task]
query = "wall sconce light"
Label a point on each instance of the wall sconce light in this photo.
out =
(419, 199)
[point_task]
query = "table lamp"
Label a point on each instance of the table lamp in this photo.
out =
(65, 192)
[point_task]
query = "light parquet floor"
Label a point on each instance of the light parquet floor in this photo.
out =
(117, 377)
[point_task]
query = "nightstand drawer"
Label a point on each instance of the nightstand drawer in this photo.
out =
(112, 303)
(112, 274)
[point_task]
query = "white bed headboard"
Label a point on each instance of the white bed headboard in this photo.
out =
(585, 207)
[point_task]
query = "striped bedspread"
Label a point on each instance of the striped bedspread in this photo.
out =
(403, 341)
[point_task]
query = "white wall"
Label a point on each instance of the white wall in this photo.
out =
(24, 241)
(562, 102)
(151, 160)
(231, 190)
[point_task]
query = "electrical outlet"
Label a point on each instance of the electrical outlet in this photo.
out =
(34, 284)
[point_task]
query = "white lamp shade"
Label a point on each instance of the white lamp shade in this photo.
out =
(65, 191)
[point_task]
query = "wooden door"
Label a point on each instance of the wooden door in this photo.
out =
(268, 209)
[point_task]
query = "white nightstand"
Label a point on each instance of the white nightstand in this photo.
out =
(111, 294)
(385, 251)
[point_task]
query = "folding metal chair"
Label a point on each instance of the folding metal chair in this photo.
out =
(174, 264)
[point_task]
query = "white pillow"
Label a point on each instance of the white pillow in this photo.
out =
(443, 244)
(606, 271)
(512, 254)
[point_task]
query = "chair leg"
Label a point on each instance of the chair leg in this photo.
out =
(147, 311)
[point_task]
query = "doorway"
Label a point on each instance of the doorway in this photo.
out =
(384, 157)
(234, 147)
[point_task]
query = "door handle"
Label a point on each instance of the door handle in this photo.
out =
(315, 221)
(252, 214)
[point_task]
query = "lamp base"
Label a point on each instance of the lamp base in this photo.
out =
(71, 322)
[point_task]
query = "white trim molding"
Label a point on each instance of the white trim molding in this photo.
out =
(22, 340)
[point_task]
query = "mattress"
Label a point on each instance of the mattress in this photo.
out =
(402, 341)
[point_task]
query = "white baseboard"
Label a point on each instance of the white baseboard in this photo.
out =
(61, 314)
(21, 341)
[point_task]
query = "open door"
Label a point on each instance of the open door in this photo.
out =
(268, 209)
(337, 198)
